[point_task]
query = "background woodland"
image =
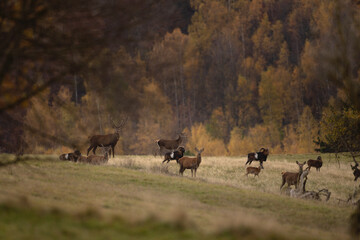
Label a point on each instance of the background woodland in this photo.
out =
(234, 75)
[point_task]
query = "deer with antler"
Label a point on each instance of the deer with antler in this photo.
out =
(107, 140)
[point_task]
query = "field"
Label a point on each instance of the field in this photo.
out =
(137, 197)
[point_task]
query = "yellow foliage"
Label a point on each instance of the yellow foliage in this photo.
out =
(199, 138)
(257, 137)
(239, 145)
(291, 140)
(308, 130)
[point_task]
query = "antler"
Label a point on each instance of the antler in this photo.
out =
(121, 125)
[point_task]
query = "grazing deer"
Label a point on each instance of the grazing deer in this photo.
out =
(174, 155)
(356, 170)
(315, 163)
(292, 178)
(169, 144)
(97, 160)
(253, 170)
(107, 140)
(259, 156)
(190, 162)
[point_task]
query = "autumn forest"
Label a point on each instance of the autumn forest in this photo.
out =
(233, 75)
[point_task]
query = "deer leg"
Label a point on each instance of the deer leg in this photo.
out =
(113, 150)
(192, 173)
(195, 171)
(261, 164)
(94, 149)
(89, 150)
(283, 182)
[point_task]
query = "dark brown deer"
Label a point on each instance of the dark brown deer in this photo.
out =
(315, 163)
(190, 162)
(171, 145)
(292, 178)
(107, 140)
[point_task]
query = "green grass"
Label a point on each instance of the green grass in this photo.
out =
(134, 197)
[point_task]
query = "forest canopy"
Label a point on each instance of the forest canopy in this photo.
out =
(234, 75)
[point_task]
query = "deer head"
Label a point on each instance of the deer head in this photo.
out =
(118, 127)
(199, 151)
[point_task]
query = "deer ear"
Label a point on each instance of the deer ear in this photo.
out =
(196, 149)
(201, 150)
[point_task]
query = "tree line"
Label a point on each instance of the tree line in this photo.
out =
(233, 75)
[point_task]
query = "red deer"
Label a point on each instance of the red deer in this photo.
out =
(253, 170)
(190, 162)
(107, 140)
(292, 178)
(169, 144)
(259, 156)
(97, 160)
(315, 163)
(174, 155)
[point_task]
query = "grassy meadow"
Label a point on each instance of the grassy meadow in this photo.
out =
(138, 197)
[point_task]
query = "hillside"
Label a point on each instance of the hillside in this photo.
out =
(138, 197)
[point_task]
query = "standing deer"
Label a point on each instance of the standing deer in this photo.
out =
(169, 144)
(107, 140)
(190, 162)
(315, 163)
(292, 178)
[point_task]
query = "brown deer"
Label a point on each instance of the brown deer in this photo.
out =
(97, 160)
(253, 170)
(169, 144)
(292, 178)
(190, 162)
(107, 140)
(315, 163)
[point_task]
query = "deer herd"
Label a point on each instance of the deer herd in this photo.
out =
(172, 150)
